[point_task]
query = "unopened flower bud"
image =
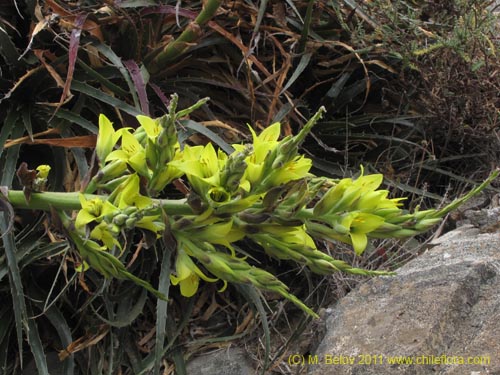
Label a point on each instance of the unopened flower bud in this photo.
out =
(120, 219)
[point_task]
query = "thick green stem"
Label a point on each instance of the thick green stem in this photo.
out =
(192, 32)
(70, 201)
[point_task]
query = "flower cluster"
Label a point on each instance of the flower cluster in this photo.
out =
(262, 192)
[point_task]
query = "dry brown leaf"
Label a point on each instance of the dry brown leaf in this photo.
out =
(84, 342)
(67, 20)
(211, 309)
(247, 321)
(39, 54)
(85, 141)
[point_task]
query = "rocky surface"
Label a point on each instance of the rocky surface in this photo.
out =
(441, 309)
(229, 361)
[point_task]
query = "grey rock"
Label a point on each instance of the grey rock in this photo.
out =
(441, 308)
(484, 218)
(229, 361)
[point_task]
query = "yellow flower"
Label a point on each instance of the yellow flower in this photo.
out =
(127, 194)
(202, 166)
(187, 274)
(332, 197)
(220, 233)
(261, 172)
(151, 127)
(293, 170)
(106, 235)
(263, 144)
(359, 225)
(151, 223)
(92, 210)
(106, 138)
(43, 171)
(132, 153)
(290, 235)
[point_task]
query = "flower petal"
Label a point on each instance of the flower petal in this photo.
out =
(359, 242)
(189, 286)
(83, 218)
(106, 138)
(150, 125)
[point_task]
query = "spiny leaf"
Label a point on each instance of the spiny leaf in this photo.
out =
(36, 346)
(101, 96)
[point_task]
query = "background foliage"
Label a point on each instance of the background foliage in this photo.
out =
(411, 89)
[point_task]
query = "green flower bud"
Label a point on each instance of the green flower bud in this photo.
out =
(120, 219)
(130, 210)
(402, 233)
(253, 218)
(130, 222)
(425, 224)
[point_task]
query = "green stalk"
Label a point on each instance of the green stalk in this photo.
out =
(70, 201)
(190, 34)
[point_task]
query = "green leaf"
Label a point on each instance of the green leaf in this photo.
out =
(4, 348)
(162, 305)
(303, 63)
(127, 311)
(77, 119)
(306, 30)
(102, 97)
(5, 331)
(253, 296)
(78, 153)
(26, 116)
(61, 326)
(16, 285)
(190, 124)
(117, 62)
(8, 49)
(36, 346)
(8, 125)
(117, 90)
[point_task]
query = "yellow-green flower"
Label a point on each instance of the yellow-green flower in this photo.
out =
(202, 166)
(106, 139)
(187, 274)
(153, 150)
(164, 177)
(260, 171)
(332, 197)
(372, 201)
(263, 144)
(93, 210)
(43, 171)
(40, 182)
(151, 223)
(127, 194)
(359, 194)
(105, 233)
(293, 170)
(359, 225)
(292, 235)
(151, 126)
(220, 233)
(131, 152)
